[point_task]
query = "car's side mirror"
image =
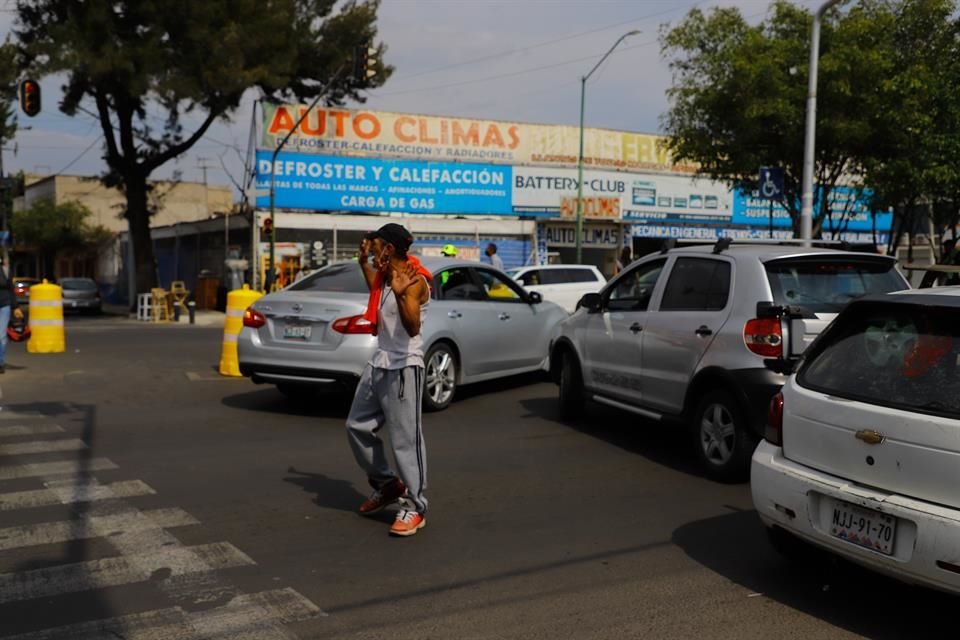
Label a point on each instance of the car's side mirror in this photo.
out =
(534, 297)
(592, 302)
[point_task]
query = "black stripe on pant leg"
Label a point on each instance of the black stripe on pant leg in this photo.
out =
(416, 374)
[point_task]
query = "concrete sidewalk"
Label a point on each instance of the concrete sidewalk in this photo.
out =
(201, 318)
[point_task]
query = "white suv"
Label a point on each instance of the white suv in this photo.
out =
(562, 284)
(862, 451)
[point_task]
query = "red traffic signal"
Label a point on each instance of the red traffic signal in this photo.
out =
(30, 97)
(267, 229)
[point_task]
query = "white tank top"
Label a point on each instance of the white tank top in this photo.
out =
(395, 348)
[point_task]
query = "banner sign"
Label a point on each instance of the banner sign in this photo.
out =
(338, 183)
(848, 212)
(592, 208)
(402, 135)
(594, 236)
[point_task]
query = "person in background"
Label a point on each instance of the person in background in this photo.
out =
(448, 251)
(622, 262)
(301, 274)
(495, 260)
(8, 305)
(950, 257)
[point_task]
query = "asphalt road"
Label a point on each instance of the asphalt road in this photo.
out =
(139, 488)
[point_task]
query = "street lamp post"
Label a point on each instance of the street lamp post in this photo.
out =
(810, 136)
(583, 94)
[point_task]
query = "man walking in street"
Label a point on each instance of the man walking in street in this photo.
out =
(390, 389)
(495, 260)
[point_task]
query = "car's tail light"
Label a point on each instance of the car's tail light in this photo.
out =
(353, 325)
(774, 431)
(253, 318)
(764, 337)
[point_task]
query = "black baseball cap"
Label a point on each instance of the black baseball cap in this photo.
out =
(393, 233)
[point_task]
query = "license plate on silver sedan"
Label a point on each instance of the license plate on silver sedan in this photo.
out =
(862, 527)
(296, 331)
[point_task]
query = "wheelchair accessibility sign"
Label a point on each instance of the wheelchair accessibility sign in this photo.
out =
(770, 185)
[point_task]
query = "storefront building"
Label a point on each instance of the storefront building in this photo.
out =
(470, 182)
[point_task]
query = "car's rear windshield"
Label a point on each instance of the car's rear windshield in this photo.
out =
(78, 284)
(900, 355)
(826, 285)
(342, 278)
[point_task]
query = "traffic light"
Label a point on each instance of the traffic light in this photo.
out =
(319, 254)
(30, 97)
(267, 229)
(365, 62)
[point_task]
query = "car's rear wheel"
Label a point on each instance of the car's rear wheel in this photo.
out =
(440, 384)
(571, 388)
(723, 441)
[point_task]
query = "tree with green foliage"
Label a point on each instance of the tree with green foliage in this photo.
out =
(145, 68)
(52, 228)
(738, 99)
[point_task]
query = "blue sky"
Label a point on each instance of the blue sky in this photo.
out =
(512, 60)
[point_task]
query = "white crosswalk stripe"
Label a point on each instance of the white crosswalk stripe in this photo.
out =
(41, 446)
(72, 491)
(111, 572)
(47, 469)
(116, 525)
(24, 430)
(246, 617)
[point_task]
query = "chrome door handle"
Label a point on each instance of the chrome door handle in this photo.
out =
(504, 316)
(703, 330)
(636, 328)
(454, 314)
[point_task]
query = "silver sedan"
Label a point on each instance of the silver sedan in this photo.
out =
(480, 325)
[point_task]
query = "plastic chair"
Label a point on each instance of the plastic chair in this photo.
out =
(179, 293)
(161, 305)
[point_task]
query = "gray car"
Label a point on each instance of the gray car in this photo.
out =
(80, 294)
(706, 335)
(480, 325)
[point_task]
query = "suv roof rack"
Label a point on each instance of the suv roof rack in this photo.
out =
(722, 244)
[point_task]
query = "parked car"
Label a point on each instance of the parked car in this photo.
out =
(21, 288)
(480, 325)
(80, 294)
(563, 284)
(705, 335)
(860, 455)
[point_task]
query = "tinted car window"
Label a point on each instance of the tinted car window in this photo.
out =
(632, 290)
(554, 276)
(78, 284)
(826, 285)
(899, 355)
(458, 284)
(581, 275)
(531, 278)
(697, 284)
(498, 287)
(342, 278)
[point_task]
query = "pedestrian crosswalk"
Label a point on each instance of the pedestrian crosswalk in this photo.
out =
(194, 598)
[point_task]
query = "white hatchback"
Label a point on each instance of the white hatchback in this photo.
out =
(862, 451)
(562, 284)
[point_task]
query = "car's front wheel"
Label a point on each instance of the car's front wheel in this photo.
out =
(571, 388)
(722, 439)
(441, 377)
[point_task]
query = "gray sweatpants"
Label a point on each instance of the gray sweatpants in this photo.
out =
(391, 398)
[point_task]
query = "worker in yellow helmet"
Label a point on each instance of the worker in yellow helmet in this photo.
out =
(448, 251)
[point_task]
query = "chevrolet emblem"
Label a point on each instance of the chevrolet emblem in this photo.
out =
(870, 437)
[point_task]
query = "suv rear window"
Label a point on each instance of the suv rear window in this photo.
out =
(827, 285)
(900, 355)
(343, 278)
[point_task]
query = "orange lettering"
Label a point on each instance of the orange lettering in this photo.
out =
(340, 116)
(321, 123)
(444, 132)
(374, 126)
(282, 121)
(514, 134)
(493, 137)
(423, 133)
(398, 126)
(469, 137)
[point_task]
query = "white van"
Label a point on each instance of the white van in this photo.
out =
(563, 284)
